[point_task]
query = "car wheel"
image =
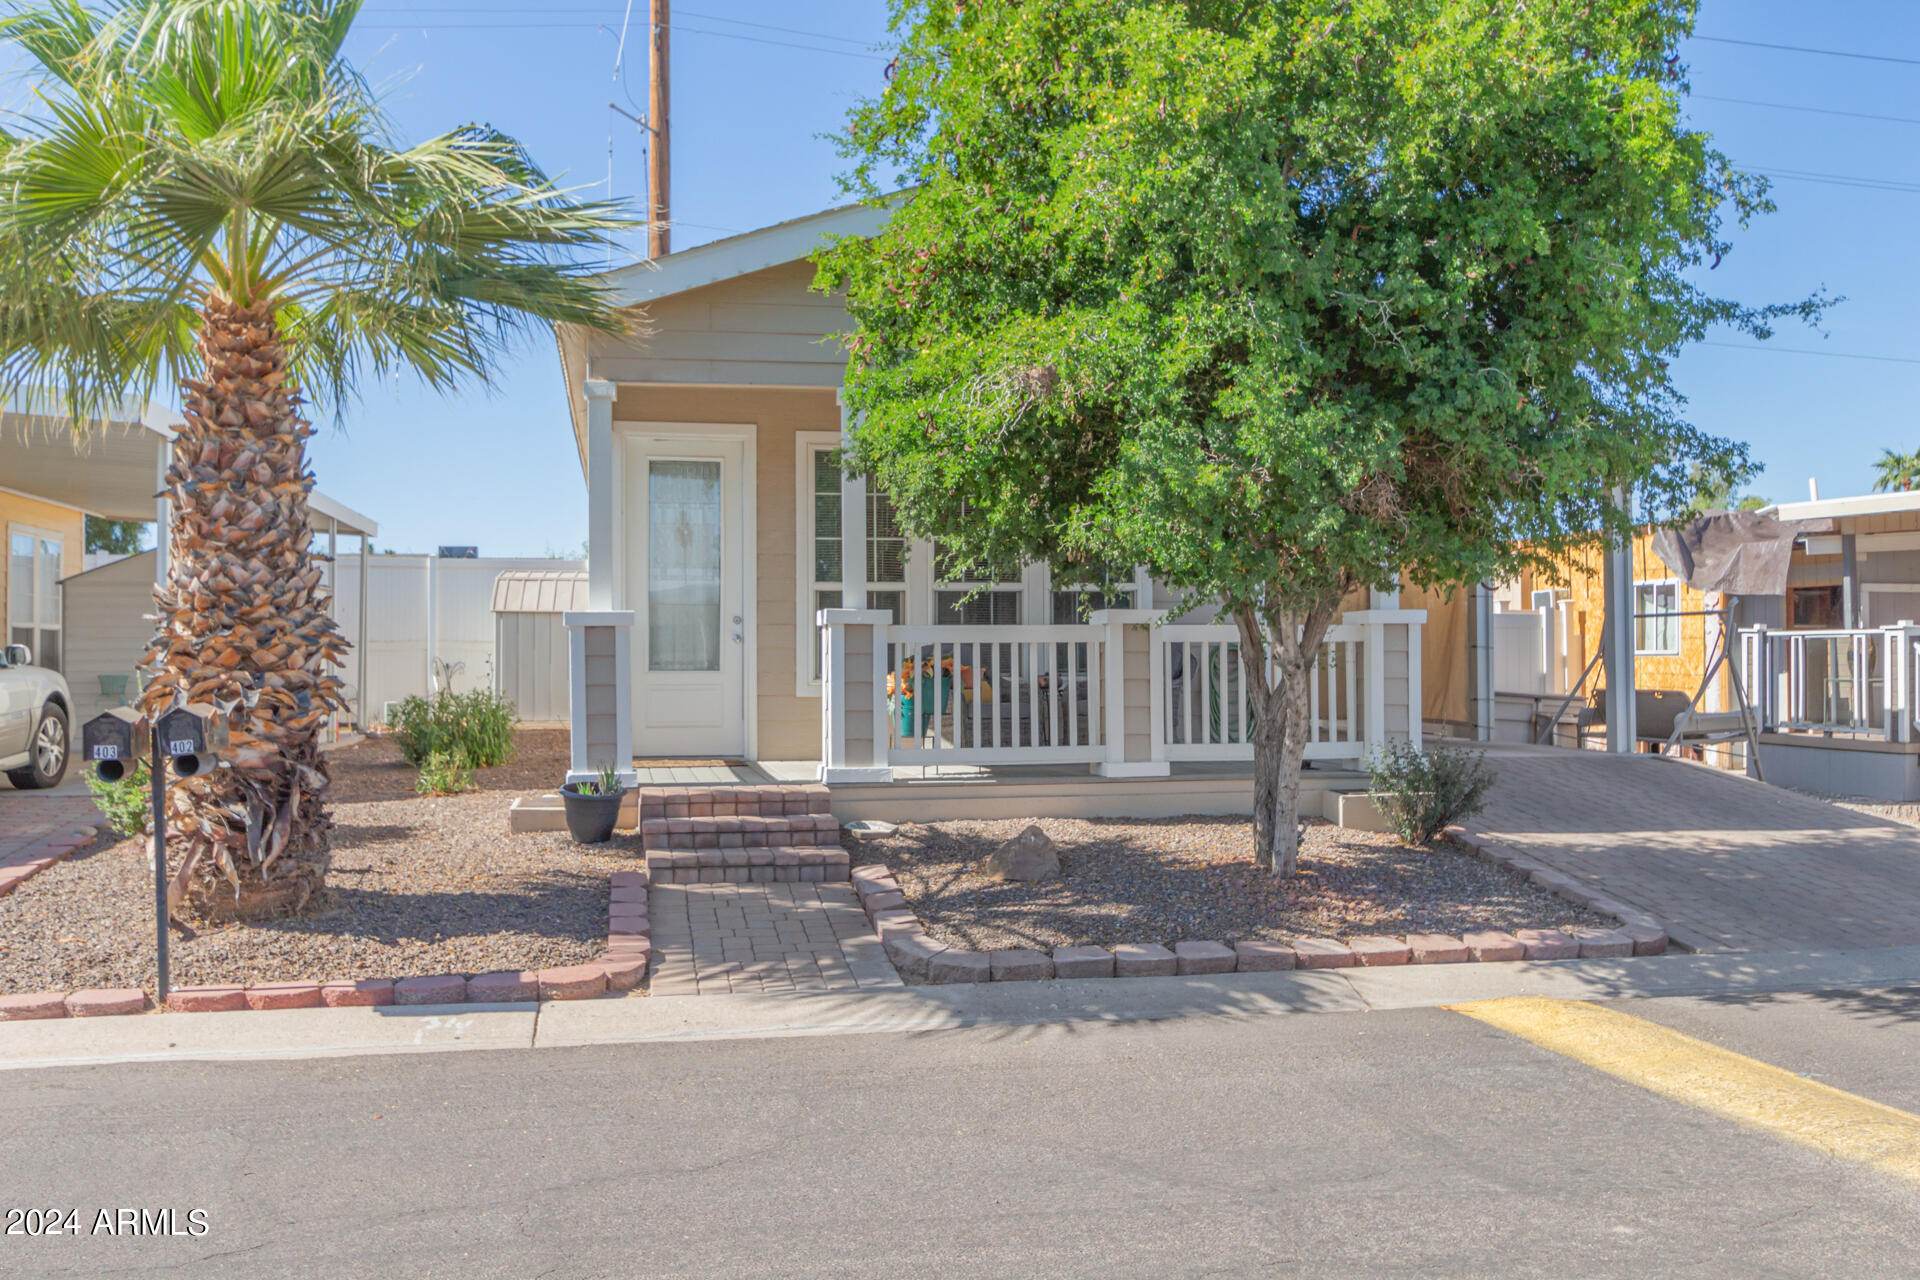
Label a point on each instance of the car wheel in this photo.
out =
(49, 750)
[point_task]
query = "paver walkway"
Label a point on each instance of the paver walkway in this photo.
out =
(1724, 862)
(715, 939)
(26, 816)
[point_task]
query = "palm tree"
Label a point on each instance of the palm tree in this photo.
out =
(1899, 471)
(207, 195)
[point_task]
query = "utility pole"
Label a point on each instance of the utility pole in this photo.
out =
(659, 167)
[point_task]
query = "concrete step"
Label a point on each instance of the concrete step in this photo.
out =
(762, 800)
(759, 865)
(747, 831)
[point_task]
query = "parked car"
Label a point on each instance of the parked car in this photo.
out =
(36, 720)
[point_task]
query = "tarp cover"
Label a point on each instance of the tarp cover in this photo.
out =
(1738, 553)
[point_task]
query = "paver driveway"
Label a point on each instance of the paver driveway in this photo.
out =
(1725, 862)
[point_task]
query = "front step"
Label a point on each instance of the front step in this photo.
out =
(752, 834)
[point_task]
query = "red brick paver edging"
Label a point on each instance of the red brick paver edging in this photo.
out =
(915, 952)
(38, 831)
(621, 969)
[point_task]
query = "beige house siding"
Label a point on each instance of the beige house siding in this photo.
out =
(787, 725)
(66, 523)
(764, 329)
(105, 625)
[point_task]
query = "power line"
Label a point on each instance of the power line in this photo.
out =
(865, 45)
(599, 26)
(1844, 180)
(1810, 351)
(1825, 53)
(1788, 106)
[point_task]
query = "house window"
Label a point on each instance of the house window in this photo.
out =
(974, 595)
(1816, 608)
(1656, 629)
(33, 593)
(820, 583)
(1111, 589)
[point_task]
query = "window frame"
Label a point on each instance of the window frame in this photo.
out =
(807, 444)
(1657, 586)
(38, 534)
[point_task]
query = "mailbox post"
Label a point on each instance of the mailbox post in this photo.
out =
(193, 737)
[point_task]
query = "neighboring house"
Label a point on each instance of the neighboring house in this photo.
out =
(748, 602)
(93, 624)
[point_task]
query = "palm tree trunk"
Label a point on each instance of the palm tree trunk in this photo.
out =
(244, 623)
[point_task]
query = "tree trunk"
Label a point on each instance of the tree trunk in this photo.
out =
(244, 624)
(1280, 653)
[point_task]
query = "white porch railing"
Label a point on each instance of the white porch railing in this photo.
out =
(995, 695)
(1126, 693)
(1204, 683)
(1852, 681)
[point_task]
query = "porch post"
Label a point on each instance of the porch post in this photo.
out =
(1618, 657)
(853, 700)
(600, 531)
(1129, 697)
(853, 526)
(360, 699)
(1850, 611)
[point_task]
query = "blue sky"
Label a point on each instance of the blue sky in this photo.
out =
(498, 469)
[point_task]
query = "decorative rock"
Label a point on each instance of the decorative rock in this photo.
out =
(959, 966)
(869, 828)
(210, 999)
(441, 988)
(1028, 857)
(1648, 939)
(1492, 944)
(1262, 957)
(358, 994)
(33, 1006)
(1321, 953)
(284, 995)
(1142, 960)
(1203, 957)
(501, 988)
(572, 982)
(1373, 951)
(1020, 965)
(1599, 944)
(1437, 948)
(102, 1002)
(1547, 944)
(1082, 962)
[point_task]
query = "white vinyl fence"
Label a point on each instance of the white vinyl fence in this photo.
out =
(424, 608)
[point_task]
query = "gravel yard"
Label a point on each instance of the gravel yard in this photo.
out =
(1193, 879)
(420, 886)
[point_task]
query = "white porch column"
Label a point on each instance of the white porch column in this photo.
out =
(853, 696)
(600, 476)
(853, 527)
(360, 654)
(162, 515)
(1391, 665)
(1622, 705)
(1131, 694)
(600, 703)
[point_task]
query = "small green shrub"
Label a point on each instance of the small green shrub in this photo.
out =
(1422, 793)
(444, 773)
(605, 783)
(477, 726)
(127, 803)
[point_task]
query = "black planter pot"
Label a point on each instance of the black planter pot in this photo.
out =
(590, 818)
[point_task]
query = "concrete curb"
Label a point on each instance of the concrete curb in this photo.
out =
(620, 969)
(914, 951)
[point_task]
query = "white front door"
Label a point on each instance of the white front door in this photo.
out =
(686, 583)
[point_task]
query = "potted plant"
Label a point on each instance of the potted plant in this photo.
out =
(593, 806)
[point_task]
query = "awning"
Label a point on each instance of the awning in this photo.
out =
(539, 591)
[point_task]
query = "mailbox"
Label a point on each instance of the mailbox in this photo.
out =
(194, 736)
(116, 742)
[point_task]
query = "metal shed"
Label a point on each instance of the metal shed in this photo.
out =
(529, 643)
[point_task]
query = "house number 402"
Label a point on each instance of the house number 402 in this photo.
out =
(180, 747)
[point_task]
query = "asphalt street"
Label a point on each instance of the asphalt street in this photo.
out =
(1413, 1142)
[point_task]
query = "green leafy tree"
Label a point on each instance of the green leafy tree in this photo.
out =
(1284, 298)
(1719, 494)
(1899, 471)
(205, 194)
(116, 537)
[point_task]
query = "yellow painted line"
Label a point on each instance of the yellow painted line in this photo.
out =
(1717, 1080)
